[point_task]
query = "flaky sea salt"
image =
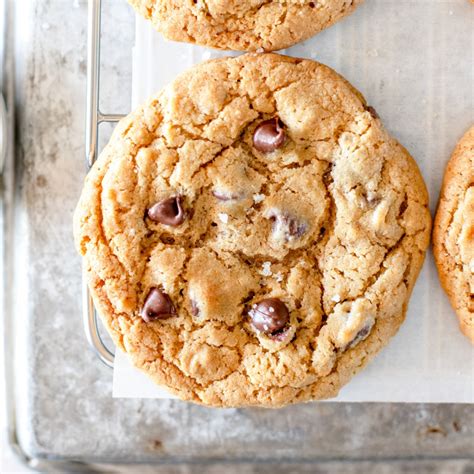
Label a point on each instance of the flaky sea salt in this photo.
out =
(258, 198)
(266, 269)
(336, 298)
(223, 217)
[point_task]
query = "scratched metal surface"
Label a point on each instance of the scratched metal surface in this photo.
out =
(63, 394)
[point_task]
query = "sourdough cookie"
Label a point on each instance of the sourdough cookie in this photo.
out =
(243, 25)
(453, 235)
(252, 234)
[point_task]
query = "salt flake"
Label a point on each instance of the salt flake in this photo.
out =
(223, 217)
(266, 269)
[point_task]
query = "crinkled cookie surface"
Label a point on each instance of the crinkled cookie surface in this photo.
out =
(243, 25)
(252, 234)
(453, 236)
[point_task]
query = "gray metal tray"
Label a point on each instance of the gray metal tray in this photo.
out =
(61, 412)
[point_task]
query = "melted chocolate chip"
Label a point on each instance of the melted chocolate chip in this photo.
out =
(158, 305)
(269, 316)
(269, 135)
(289, 226)
(296, 228)
(169, 211)
(361, 335)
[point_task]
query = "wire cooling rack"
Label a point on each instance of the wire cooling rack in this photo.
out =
(94, 117)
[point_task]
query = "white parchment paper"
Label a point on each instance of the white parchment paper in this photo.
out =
(413, 61)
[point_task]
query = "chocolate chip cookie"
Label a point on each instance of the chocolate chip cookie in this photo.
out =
(453, 236)
(243, 25)
(252, 234)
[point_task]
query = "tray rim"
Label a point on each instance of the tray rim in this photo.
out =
(41, 463)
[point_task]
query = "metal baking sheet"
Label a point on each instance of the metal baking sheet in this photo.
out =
(62, 410)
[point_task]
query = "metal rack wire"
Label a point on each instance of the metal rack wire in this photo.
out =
(94, 117)
(3, 109)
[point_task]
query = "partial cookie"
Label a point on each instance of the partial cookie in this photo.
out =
(453, 236)
(252, 234)
(243, 25)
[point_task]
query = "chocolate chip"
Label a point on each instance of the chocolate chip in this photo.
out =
(269, 316)
(372, 111)
(158, 305)
(269, 135)
(361, 335)
(169, 211)
(296, 228)
(288, 226)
